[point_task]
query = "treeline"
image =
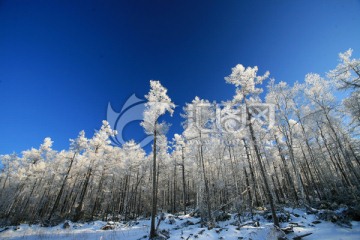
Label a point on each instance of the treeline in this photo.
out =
(310, 154)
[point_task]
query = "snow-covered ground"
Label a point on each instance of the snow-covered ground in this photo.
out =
(180, 229)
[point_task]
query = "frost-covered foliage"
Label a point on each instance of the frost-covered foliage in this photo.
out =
(347, 72)
(158, 103)
(245, 81)
(346, 76)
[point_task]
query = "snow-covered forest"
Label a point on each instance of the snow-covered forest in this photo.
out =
(309, 158)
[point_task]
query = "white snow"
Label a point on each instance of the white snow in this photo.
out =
(224, 230)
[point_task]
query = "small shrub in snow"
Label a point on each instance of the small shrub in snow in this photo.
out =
(338, 217)
(108, 227)
(353, 213)
(66, 225)
(221, 216)
(282, 217)
(170, 219)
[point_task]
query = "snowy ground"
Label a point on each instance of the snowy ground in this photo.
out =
(178, 230)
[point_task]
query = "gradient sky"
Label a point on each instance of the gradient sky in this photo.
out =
(61, 62)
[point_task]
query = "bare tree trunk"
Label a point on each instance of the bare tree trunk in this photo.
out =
(251, 172)
(249, 194)
(336, 161)
(154, 190)
(206, 184)
(267, 188)
(98, 193)
(233, 172)
(278, 182)
(312, 179)
(174, 190)
(65, 206)
(58, 197)
(78, 211)
(183, 179)
(342, 150)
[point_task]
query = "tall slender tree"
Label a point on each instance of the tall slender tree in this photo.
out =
(158, 103)
(245, 81)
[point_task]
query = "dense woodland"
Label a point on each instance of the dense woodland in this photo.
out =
(310, 155)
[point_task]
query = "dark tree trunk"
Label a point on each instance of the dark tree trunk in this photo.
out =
(183, 180)
(267, 187)
(58, 197)
(154, 190)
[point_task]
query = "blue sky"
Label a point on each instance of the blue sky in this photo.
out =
(61, 62)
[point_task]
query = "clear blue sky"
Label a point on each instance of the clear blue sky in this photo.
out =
(61, 62)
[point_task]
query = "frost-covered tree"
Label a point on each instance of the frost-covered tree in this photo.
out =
(346, 75)
(283, 97)
(347, 72)
(96, 151)
(76, 146)
(158, 103)
(245, 81)
(179, 156)
(199, 124)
